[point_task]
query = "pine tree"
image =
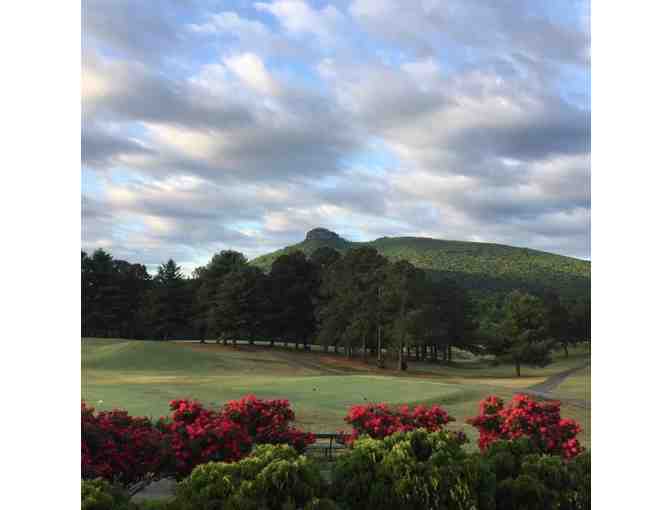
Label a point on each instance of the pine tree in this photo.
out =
(524, 331)
(169, 302)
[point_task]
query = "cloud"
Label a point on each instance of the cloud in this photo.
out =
(242, 126)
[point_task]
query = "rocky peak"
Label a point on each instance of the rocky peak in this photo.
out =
(321, 234)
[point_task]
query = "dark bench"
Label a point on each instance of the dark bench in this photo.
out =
(328, 448)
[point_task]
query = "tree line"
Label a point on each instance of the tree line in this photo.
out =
(358, 303)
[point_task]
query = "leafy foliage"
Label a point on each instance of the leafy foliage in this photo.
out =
(272, 477)
(99, 494)
(483, 267)
(412, 470)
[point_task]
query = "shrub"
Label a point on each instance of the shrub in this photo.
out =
(197, 435)
(379, 420)
(267, 421)
(526, 417)
(119, 447)
(530, 480)
(412, 470)
(272, 477)
(99, 494)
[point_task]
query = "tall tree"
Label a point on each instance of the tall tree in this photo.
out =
(404, 303)
(133, 283)
(102, 294)
(294, 282)
(452, 318)
(559, 325)
(208, 279)
(350, 288)
(168, 303)
(241, 305)
(524, 331)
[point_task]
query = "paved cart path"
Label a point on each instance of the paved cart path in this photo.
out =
(545, 388)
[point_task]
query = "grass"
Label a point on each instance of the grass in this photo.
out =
(576, 386)
(143, 377)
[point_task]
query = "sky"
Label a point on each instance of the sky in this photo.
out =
(212, 125)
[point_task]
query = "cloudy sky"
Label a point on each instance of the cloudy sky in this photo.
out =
(209, 125)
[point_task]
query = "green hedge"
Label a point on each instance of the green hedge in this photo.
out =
(273, 477)
(405, 471)
(412, 470)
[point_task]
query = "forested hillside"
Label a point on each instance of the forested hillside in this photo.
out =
(393, 294)
(481, 267)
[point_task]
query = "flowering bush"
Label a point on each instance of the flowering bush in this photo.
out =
(123, 448)
(380, 420)
(197, 435)
(267, 421)
(119, 447)
(524, 416)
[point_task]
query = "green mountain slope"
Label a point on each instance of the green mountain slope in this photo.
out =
(481, 267)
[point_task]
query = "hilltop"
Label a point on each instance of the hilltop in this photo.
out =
(482, 267)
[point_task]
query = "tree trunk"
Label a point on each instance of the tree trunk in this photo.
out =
(450, 353)
(272, 342)
(417, 353)
(400, 361)
(518, 368)
(564, 346)
(444, 350)
(364, 348)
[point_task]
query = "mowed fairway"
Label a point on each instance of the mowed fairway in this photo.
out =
(142, 377)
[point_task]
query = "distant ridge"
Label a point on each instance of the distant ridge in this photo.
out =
(482, 267)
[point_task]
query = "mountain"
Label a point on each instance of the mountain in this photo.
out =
(484, 268)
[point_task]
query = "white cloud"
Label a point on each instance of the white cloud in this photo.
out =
(244, 129)
(252, 71)
(299, 18)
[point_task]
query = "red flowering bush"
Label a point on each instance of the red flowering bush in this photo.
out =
(267, 421)
(123, 448)
(119, 447)
(197, 435)
(524, 416)
(380, 420)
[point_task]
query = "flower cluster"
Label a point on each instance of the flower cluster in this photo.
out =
(123, 448)
(524, 416)
(267, 421)
(197, 435)
(119, 447)
(380, 420)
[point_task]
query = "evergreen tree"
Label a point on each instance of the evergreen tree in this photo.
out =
(524, 331)
(452, 321)
(133, 282)
(102, 294)
(294, 282)
(241, 305)
(404, 301)
(208, 279)
(350, 292)
(168, 303)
